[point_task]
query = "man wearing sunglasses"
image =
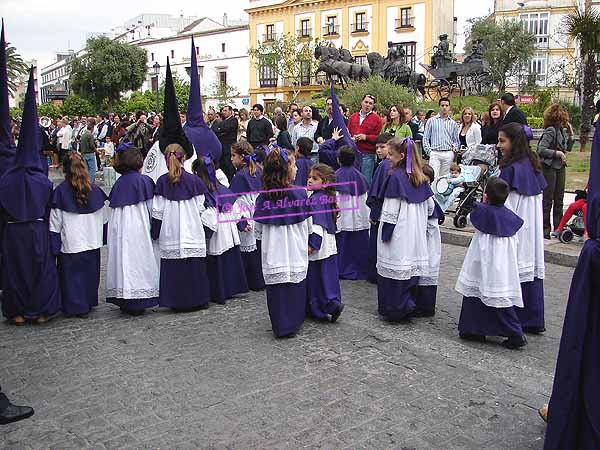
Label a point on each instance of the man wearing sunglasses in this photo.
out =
(364, 127)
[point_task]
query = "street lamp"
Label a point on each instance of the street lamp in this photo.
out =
(156, 68)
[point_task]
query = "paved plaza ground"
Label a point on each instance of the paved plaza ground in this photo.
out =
(218, 379)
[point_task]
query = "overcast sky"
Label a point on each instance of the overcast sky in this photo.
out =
(38, 28)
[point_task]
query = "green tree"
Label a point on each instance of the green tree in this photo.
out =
(107, 69)
(583, 26)
(49, 110)
(508, 47)
(16, 113)
(286, 57)
(224, 93)
(182, 91)
(15, 67)
(77, 106)
(140, 102)
(386, 94)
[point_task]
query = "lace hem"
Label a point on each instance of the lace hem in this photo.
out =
(428, 281)
(359, 227)
(132, 293)
(248, 248)
(157, 214)
(528, 274)
(501, 300)
(284, 277)
(402, 274)
(181, 253)
(388, 217)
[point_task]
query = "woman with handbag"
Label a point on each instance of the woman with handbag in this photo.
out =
(555, 142)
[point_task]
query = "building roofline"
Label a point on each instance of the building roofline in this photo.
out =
(196, 33)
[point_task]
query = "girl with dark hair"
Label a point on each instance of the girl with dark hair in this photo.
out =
(324, 298)
(225, 267)
(402, 255)
(520, 168)
(78, 221)
(283, 223)
(284, 139)
(132, 270)
(246, 183)
(177, 225)
(395, 124)
(489, 130)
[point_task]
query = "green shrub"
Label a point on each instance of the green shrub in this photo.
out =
(16, 113)
(49, 110)
(386, 94)
(535, 122)
(77, 106)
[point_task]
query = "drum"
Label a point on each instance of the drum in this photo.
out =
(443, 187)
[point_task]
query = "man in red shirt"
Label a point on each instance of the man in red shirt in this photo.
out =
(364, 127)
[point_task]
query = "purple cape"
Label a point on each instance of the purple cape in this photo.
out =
(437, 211)
(64, 199)
(399, 186)
(130, 189)
(189, 186)
(303, 164)
(573, 415)
(322, 214)
(338, 122)
(293, 208)
(211, 197)
(495, 220)
(521, 177)
(351, 175)
(243, 182)
(593, 198)
(377, 189)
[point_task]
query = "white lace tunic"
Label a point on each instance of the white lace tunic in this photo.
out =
(354, 212)
(434, 249)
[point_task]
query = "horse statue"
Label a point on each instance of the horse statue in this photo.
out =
(339, 63)
(394, 68)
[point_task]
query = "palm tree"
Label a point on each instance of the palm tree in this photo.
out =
(584, 26)
(14, 66)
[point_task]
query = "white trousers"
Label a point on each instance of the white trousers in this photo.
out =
(440, 162)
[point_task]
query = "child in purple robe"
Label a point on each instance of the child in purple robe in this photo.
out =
(78, 225)
(324, 293)
(521, 169)
(402, 255)
(304, 162)
(353, 220)
(226, 274)
(489, 278)
(246, 183)
(375, 201)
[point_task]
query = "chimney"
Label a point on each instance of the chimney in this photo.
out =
(225, 19)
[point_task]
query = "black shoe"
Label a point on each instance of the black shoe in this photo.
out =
(515, 342)
(422, 313)
(336, 315)
(14, 413)
(547, 235)
(534, 330)
(472, 337)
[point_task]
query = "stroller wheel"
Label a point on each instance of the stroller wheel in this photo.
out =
(460, 221)
(566, 236)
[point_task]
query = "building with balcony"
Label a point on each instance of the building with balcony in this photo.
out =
(370, 26)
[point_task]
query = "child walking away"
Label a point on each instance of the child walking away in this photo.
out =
(283, 223)
(304, 162)
(521, 169)
(78, 224)
(177, 225)
(402, 255)
(29, 278)
(324, 293)
(224, 263)
(353, 221)
(427, 290)
(489, 278)
(247, 183)
(132, 271)
(375, 201)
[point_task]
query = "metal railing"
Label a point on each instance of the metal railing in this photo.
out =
(304, 33)
(269, 37)
(360, 27)
(331, 30)
(267, 82)
(404, 23)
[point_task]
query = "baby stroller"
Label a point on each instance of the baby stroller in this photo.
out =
(479, 163)
(574, 218)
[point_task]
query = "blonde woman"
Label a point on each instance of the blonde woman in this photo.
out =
(243, 120)
(470, 130)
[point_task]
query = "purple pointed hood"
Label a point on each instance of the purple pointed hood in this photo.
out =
(7, 145)
(593, 198)
(338, 122)
(205, 141)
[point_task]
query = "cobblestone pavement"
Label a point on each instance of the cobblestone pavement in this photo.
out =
(217, 379)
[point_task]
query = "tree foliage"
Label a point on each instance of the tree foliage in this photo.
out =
(15, 67)
(182, 91)
(77, 106)
(386, 94)
(16, 113)
(224, 93)
(107, 69)
(508, 47)
(49, 109)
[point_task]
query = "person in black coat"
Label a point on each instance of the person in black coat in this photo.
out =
(226, 130)
(512, 113)
(284, 140)
(10, 413)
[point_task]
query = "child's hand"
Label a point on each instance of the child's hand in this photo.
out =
(311, 250)
(248, 228)
(336, 135)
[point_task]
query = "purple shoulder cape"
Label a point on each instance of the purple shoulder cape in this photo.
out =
(399, 186)
(189, 186)
(322, 205)
(130, 189)
(495, 220)
(573, 416)
(64, 199)
(211, 201)
(25, 193)
(293, 208)
(244, 182)
(303, 164)
(521, 177)
(357, 183)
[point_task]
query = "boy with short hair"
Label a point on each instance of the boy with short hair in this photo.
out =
(304, 162)
(489, 278)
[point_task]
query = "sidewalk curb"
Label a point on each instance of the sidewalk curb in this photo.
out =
(463, 239)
